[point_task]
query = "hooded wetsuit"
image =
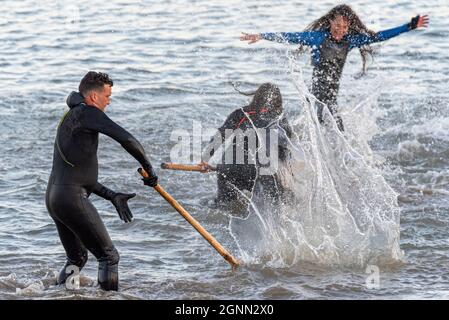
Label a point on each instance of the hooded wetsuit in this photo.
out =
(242, 174)
(74, 177)
(329, 57)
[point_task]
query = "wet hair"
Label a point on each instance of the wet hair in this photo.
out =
(94, 81)
(355, 26)
(267, 96)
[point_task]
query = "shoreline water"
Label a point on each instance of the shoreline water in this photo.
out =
(172, 63)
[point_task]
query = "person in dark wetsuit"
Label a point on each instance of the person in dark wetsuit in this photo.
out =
(74, 177)
(331, 37)
(264, 112)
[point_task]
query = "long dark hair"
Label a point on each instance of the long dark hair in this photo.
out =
(356, 26)
(267, 96)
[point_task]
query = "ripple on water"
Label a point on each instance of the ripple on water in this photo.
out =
(171, 63)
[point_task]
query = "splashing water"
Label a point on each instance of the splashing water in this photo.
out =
(341, 210)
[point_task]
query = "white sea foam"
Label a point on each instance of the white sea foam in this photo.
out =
(341, 211)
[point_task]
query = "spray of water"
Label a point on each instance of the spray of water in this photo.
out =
(339, 209)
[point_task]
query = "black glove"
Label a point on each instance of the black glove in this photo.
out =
(151, 181)
(414, 23)
(120, 202)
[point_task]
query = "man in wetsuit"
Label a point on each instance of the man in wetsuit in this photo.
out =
(264, 112)
(331, 37)
(74, 177)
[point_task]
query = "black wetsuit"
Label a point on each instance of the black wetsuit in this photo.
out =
(326, 77)
(329, 57)
(242, 175)
(74, 177)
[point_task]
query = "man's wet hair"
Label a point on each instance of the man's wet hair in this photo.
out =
(94, 81)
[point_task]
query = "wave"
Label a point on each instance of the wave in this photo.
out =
(341, 211)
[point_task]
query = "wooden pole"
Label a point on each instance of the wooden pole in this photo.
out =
(222, 251)
(188, 167)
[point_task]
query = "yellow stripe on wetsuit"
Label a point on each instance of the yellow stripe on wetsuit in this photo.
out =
(57, 140)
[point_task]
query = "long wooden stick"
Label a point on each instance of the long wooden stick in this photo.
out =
(187, 167)
(222, 251)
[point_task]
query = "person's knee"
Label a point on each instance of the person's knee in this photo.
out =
(111, 256)
(79, 261)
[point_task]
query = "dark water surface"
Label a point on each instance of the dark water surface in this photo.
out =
(171, 62)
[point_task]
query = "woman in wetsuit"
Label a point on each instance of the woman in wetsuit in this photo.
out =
(331, 37)
(74, 177)
(265, 112)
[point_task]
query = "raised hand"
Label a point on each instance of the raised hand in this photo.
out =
(423, 21)
(419, 22)
(251, 37)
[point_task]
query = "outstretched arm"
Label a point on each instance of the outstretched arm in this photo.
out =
(308, 38)
(97, 120)
(364, 39)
